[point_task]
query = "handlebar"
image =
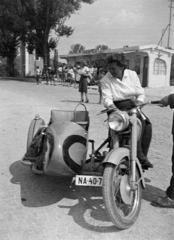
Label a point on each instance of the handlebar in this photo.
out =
(156, 102)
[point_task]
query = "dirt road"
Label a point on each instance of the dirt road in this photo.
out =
(40, 207)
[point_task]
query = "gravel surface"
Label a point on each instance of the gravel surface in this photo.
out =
(50, 208)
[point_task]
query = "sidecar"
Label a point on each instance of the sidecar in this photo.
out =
(60, 147)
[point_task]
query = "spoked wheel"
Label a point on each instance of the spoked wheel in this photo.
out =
(122, 204)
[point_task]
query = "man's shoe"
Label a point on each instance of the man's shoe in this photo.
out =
(145, 163)
(163, 202)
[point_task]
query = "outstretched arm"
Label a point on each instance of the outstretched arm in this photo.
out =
(167, 101)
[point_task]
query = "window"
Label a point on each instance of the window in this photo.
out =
(159, 67)
(137, 64)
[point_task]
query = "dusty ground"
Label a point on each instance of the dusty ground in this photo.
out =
(40, 207)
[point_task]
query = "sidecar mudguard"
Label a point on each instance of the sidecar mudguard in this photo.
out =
(116, 155)
(35, 124)
(66, 149)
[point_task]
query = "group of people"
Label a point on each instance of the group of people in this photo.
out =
(67, 75)
(86, 75)
(82, 75)
(49, 74)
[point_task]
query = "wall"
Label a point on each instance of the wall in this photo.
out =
(31, 64)
(159, 80)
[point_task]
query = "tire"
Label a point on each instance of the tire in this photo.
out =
(121, 209)
(33, 128)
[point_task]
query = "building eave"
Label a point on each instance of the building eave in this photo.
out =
(124, 50)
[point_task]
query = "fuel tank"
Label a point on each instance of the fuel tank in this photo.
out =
(66, 149)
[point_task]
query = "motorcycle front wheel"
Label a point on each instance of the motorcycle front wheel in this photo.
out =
(122, 204)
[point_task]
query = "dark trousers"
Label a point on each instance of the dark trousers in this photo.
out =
(37, 79)
(146, 136)
(170, 189)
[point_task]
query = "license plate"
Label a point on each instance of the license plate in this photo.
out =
(82, 180)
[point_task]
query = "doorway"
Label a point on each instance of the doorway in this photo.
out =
(145, 71)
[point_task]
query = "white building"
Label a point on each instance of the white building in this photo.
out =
(151, 62)
(29, 62)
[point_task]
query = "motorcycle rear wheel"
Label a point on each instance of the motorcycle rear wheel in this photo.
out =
(122, 205)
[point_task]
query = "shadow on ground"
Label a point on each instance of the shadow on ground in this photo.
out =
(88, 211)
(79, 101)
(96, 93)
(70, 101)
(40, 190)
(150, 193)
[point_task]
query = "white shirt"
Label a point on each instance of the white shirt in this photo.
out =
(60, 69)
(37, 71)
(113, 89)
(84, 71)
(71, 71)
(91, 70)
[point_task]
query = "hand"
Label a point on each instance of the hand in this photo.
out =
(112, 108)
(136, 102)
(164, 101)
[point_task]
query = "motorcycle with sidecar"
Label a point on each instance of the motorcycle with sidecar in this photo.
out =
(60, 149)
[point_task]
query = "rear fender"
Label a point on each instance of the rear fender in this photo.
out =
(116, 155)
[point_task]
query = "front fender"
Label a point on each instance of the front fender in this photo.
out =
(116, 155)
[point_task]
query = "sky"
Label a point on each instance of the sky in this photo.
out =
(117, 23)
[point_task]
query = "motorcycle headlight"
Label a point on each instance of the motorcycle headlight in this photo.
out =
(118, 121)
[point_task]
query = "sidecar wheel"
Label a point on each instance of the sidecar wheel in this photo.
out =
(36, 171)
(33, 128)
(122, 205)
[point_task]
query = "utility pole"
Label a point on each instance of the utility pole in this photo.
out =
(170, 18)
(163, 31)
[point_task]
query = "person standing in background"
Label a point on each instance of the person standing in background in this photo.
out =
(77, 75)
(64, 73)
(52, 77)
(60, 73)
(83, 83)
(38, 72)
(71, 76)
(100, 76)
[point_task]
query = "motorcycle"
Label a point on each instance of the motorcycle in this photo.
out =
(60, 149)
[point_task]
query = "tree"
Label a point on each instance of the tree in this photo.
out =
(102, 47)
(45, 17)
(76, 48)
(38, 23)
(55, 61)
(10, 31)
